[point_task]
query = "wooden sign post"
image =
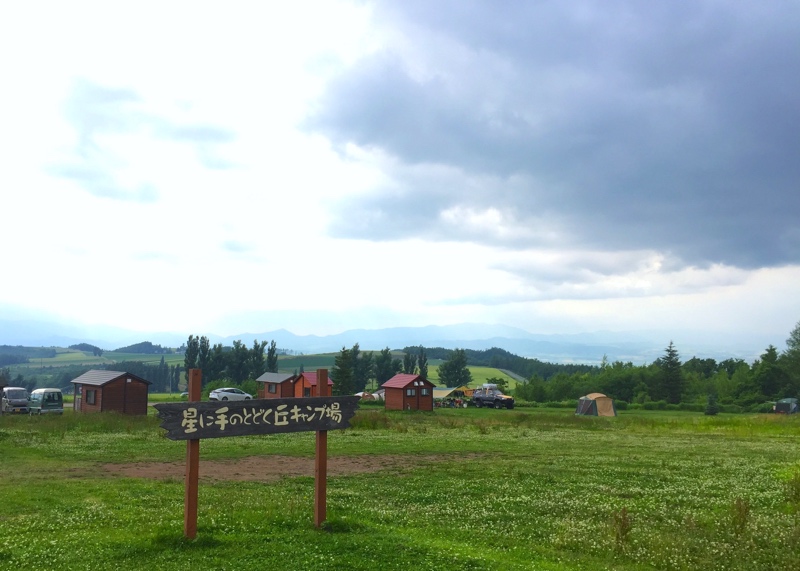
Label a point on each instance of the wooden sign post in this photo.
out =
(194, 420)
(321, 459)
(191, 485)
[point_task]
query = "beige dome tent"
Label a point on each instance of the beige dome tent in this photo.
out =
(596, 404)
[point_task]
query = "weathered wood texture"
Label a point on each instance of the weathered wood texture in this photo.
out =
(192, 480)
(196, 420)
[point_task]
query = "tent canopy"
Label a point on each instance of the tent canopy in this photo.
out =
(596, 404)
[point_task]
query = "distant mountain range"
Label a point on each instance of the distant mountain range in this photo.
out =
(636, 347)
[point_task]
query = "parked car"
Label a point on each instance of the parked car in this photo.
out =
(44, 401)
(230, 393)
(490, 395)
(14, 399)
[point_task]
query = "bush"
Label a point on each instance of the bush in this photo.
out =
(712, 408)
(760, 407)
(621, 405)
(731, 408)
(691, 406)
(655, 405)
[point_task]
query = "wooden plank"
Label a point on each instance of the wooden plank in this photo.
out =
(321, 459)
(192, 482)
(196, 420)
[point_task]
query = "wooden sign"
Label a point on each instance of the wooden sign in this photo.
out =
(196, 420)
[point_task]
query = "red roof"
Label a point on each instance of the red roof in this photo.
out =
(312, 379)
(402, 380)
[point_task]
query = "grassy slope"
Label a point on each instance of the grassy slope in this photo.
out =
(482, 489)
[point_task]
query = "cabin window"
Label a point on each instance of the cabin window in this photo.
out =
(411, 392)
(307, 392)
(272, 388)
(91, 396)
(424, 392)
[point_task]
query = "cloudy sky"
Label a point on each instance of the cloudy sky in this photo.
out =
(321, 166)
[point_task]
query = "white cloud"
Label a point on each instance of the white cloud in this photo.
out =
(164, 175)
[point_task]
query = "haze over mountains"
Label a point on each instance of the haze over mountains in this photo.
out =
(637, 347)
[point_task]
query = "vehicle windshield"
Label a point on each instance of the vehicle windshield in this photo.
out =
(17, 394)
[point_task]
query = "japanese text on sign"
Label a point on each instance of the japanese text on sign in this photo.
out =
(196, 420)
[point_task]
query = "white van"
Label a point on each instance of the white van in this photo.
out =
(14, 399)
(44, 401)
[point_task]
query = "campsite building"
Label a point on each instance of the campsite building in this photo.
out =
(305, 385)
(275, 385)
(408, 392)
(596, 404)
(103, 391)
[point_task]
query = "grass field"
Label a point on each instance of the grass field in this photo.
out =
(66, 357)
(476, 489)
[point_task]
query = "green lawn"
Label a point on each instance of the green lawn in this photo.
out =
(476, 489)
(66, 357)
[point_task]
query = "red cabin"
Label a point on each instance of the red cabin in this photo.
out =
(305, 385)
(276, 386)
(408, 392)
(102, 391)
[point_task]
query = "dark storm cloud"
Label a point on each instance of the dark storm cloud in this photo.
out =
(672, 126)
(95, 111)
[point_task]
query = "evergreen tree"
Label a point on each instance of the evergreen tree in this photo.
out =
(385, 366)
(342, 373)
(239, 363)
(272, 357)
(791, 357)
(422, 360)
(712, 408)
(175, 371)
(363, 368)
(192, 350)
(770, 380)
(217, 364)
(257, 362)
(409, 363)
(671, 375)
(162, 375)
(454, 372)
(204, 354)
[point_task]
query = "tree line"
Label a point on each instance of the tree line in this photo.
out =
(667, 380)
(235, 364)
(145, 348)
(354, 369)
(497, 358)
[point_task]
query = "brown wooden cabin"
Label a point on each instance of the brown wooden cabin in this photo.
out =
(102, 391)
(305, 385)
(275, 385)
(408, 392)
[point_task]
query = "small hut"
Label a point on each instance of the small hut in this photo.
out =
(103, 391)
(305, 385)
(596, 404)
(408, 392)
(275, 385)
